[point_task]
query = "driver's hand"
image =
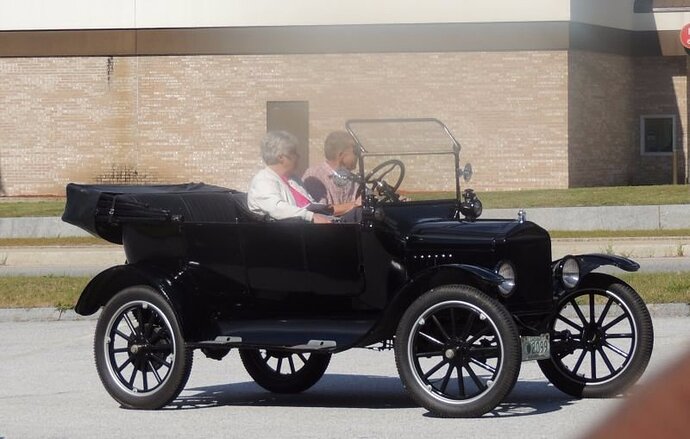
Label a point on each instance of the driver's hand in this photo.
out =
(321, 219)
(357, 202)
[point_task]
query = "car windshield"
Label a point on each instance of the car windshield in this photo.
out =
(425, 147)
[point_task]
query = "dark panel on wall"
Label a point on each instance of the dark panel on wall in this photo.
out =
(293, 117)
(67, 43)
(446, 37)
(442, 37)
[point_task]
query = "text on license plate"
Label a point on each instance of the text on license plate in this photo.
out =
(535, 347)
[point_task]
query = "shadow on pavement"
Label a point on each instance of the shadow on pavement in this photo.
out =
(361, 391)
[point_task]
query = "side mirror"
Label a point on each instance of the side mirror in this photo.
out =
(466, 172)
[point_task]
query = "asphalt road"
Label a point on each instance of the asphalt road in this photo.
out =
(49, 388)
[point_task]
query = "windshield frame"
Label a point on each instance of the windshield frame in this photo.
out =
(362, 152)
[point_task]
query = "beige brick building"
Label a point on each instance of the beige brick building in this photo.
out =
(551, 95)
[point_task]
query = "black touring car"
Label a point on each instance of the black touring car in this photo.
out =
(462, 300)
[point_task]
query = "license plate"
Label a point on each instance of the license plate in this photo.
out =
(535, 347)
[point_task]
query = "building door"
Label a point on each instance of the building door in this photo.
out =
(293, 117)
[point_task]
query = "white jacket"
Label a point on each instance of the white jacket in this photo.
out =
(269, 194)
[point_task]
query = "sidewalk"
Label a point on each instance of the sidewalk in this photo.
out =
(104, 256)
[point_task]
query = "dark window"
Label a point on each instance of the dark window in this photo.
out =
(658, 134)
(293, 117)
(647, 6)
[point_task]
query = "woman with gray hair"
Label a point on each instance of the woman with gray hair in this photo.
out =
(275, 190)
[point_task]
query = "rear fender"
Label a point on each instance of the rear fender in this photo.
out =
(107, 283)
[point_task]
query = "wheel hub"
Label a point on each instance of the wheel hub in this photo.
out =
(593, 336)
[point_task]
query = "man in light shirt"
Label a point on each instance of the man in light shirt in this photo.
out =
(319, 180)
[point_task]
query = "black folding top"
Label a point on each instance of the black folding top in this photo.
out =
(101, 209)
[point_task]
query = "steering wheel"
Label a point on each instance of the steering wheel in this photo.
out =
(378, 184)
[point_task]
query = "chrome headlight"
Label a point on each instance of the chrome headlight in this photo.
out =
(506, 270)
(569, 272)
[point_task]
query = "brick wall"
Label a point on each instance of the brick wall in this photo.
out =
(661, 88)
(200, 118)
(607, 96)
(600, 118)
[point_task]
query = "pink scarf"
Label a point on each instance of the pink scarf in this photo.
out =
(300, 199)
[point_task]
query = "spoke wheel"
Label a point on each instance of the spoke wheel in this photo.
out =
(601, 339)
(140, 354)
(284, 371)
(457, 351)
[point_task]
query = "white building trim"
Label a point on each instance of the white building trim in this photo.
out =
(131, 14)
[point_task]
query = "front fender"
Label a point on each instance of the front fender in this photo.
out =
(591, 261)
(432, 277)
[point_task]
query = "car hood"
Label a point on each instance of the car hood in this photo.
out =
(454, 232)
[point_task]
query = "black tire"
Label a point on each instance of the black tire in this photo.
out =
(293, 372)
(475, 339)
(140, 353)
(619, 339)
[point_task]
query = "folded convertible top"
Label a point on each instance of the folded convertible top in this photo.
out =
(102, 209)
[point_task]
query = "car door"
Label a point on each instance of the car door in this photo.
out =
(300, 257)
(333, 258)
(274, 256)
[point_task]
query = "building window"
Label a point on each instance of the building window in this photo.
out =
(658, 134)
(647, 6)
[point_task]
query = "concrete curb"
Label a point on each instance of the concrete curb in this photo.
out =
(657, 310)
(673, 216)
(38, 227)
(109, 255)
(42, 315)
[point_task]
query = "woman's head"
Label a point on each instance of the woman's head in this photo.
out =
(279, 149)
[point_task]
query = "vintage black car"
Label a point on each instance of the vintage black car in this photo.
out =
(462, 300)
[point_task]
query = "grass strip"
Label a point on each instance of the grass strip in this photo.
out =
(41, 291)
(31, 208)
(594, 196)
(671, 287)
(52, 242)
(63, 291)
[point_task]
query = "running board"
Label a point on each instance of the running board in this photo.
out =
(301, 335)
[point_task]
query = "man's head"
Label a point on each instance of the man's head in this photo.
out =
(340, 150)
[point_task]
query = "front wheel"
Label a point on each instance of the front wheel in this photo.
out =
(601, 339)
(140, 354)
(457, 351)
(283, 371)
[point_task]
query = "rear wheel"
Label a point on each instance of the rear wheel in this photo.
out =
(457, 351)
(140, 354)
(601, 339)
(283, 371)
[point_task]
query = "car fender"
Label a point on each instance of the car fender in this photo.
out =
(451, 274)
(428, 279)
(107, 283)
(591, 261)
